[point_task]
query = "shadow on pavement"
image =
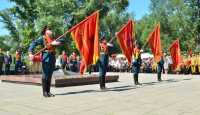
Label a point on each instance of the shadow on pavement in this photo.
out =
(165, 81)
(77, 92)
(121, 88)
(124, 88)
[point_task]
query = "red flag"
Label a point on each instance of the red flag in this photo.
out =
(37, 58)
(82, 67)
(85, 35)
(125, 38)
(155, 43)
(175, 53)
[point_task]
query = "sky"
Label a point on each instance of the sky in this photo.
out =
(3, 5)
(138, 7)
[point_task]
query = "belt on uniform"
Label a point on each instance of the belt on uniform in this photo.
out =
(49, 51)
(103, 53)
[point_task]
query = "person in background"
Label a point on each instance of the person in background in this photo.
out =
(82, 67)
(196, 64)
(198, 61)
(166, 65)
(1, 61)
(18, 61)
(73, 62)
(7, 61)
(64, 59)
(193, 62)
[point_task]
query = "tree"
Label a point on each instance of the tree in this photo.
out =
(27, 18)
(4, 45)
(177, 19)
(19, 21)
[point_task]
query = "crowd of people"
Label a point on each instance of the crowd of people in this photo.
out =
(190, 65)
(15, 64)
(148, 65)
(11, 64)
(66, 62)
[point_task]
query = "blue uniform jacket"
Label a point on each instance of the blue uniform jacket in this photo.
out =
(46, 57)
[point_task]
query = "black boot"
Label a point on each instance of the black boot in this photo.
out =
(103, 82)
(48, 87)
(138, 83)
(100, 82)
(135, 79)
(44, 87)
(159, 77)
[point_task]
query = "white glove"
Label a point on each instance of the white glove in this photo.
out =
(55, 43)
(31, 57)
(109, 44)
(31, 63)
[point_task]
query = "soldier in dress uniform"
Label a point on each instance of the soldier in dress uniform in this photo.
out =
(103, 61)
(160, 67)
(48, 58)
(136, 63)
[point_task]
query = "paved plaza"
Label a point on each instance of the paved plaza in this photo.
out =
(176, 95)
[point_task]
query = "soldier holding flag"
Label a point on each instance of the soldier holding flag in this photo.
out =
(160, 66)
(48, 58)
(103, 61)
(136, 63)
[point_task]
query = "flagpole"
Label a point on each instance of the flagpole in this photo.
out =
(68, 31)
(111, 40)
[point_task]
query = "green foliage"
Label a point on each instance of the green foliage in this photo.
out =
(177, 18)
(25, 20)
(3, 44)
(9, 24)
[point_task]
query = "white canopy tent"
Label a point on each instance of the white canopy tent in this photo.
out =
(146, 55)
(143, 55)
